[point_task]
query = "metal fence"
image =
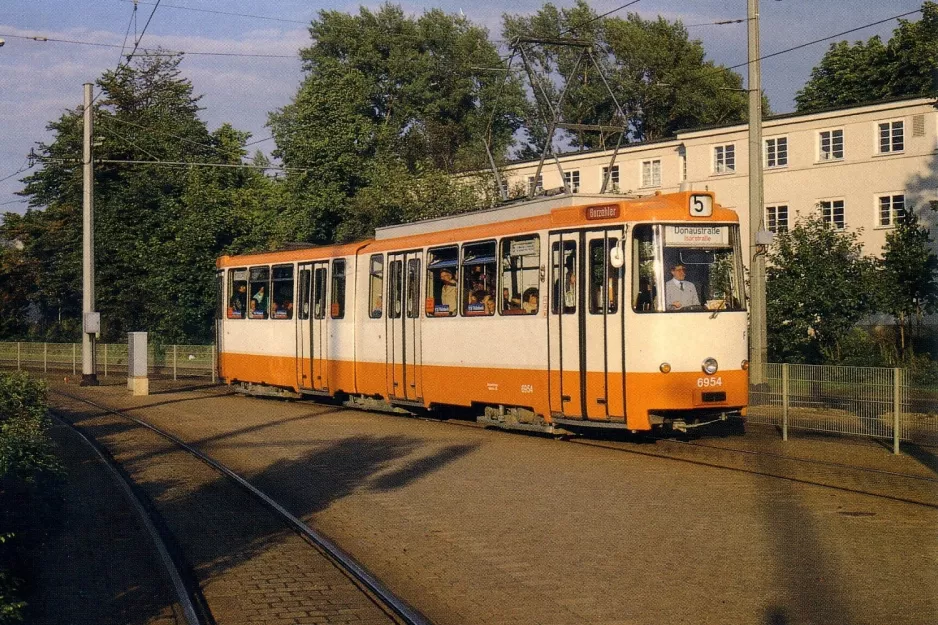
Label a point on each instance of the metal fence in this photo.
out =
(176, 361)
(862, 401)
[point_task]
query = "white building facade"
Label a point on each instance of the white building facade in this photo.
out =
(859, 167)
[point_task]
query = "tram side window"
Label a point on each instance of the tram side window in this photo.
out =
(478, 274)
(238, 293)
(395, 290)
(259, 288)
(644, 282)
(520, 286)
(604, 278)
(413, 288)
(319, 293)
(305, 279)
(442, 281)
(563, 275)
(338, 289)
(281, 306)
(219, 295)
(376, 286)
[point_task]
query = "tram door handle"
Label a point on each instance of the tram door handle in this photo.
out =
(600, 400)
(564, 398)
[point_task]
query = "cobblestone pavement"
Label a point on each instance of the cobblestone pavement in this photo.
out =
(92, 559)
(479, 527)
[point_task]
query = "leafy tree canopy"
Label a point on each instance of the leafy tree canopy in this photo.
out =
(158, 228)
(818, 286)
(908, 275)
(866, 72)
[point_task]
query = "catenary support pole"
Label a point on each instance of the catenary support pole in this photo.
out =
(757, 331)
(896, 408)
(89, 376)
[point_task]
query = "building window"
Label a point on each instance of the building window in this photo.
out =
(831, 145)
(776, 152)
(572, 180)
(891, 209)
(651, 173)
(832, 211)
(891, 137)
(613, 184)
(724, 159)
(534, 189)
(776, 218)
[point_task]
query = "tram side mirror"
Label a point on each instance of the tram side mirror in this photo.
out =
(617, 257)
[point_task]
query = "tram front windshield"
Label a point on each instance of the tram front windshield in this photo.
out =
(679, 268)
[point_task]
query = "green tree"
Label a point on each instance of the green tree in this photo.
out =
(818, 286)
(158, 227)
(908, 276)
(384, 91)
(660, 77)
(866, 72)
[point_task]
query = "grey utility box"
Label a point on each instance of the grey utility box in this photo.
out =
(137, 380)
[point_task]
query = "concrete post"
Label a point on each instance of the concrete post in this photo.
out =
(90, 319)
(174, 363)
(757, 330)
(45, 357)
(137, 379)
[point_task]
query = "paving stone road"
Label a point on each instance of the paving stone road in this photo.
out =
(475, 527)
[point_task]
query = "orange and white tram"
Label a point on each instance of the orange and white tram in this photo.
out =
(574, 310)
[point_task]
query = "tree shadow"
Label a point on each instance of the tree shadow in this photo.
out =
(244, 536)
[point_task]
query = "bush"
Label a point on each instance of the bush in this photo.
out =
(25, 449)
(25, 454)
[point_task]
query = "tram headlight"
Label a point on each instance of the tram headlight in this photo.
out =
(665, 368)
(745, 365)
(710, 366)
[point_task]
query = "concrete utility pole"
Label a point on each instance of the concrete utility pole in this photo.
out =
(91, 321)
(757, 323)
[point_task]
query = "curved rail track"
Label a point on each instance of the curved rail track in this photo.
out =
(397, 609)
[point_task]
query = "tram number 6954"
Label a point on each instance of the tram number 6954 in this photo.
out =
(709, 382)
(527, 388)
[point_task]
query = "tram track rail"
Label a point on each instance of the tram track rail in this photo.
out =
(383, 598)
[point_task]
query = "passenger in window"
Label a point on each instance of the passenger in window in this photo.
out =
(680, 293)
(488, 300)
(529, 301)
(258, 302)
(449, 291)
(508, 302)
(569, 287)
(376, 309)
(239, 301)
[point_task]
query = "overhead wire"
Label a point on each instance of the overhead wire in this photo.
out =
(217, 12)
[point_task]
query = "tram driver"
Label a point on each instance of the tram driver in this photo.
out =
(680, 293)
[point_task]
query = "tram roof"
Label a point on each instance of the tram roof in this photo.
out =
(498, 214)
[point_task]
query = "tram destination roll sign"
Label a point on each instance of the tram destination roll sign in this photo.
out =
(697, 236)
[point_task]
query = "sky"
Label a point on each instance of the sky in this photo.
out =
(40, 80)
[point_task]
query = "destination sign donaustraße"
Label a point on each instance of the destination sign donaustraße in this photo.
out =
(697, 235)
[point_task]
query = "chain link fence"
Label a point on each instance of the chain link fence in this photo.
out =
(861, 401)
(163, 361)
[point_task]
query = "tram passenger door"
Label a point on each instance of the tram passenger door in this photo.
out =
(563, 325)
(304, 369)
(403, 326)
(604, 328)
(312, 327)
